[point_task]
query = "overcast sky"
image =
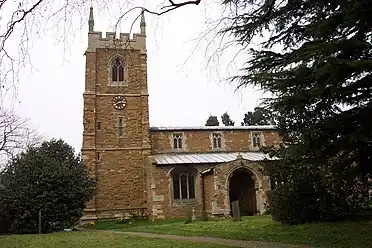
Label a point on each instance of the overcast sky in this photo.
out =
(185, 86)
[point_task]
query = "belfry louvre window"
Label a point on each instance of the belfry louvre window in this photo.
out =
(120, 126)
(217, 141)
(177, 141)
(117, 70)
(183, 186)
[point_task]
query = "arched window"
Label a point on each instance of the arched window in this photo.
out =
(256, 140)
(217, 143)
(117, 70)
(177, 141)
(183, 185)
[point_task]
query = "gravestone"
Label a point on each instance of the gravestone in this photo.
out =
(235, 210)
(193, 214)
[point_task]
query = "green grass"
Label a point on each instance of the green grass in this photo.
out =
(112, 225)
(346, 234)
(90, 239)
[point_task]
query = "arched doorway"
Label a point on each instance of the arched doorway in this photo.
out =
(242, 188)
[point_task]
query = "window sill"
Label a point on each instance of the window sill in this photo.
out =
(184, 202)
(218, 149)
(178, 150)
(122, 83)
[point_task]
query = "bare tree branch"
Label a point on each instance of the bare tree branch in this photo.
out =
(15, 136)
(24, 19)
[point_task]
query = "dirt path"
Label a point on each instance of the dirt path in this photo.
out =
(212, 240)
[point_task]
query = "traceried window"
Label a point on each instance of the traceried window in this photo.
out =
(120, 126)
(117, 70)
(183, 186)
(177, 141)
(256, 140)
(217, 140)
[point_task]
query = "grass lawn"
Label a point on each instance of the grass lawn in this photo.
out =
(90, 239)
(356, 234)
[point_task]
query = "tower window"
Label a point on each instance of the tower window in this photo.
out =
(98, 156)
(120, 126)
(99, 125)
(217, 140)
(177, 141)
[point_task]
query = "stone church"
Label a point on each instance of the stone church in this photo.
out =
(160, 172)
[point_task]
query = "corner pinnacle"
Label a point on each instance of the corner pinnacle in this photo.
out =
(143, 22)
(91, 20)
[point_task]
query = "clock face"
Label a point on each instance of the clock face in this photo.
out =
(119, 102)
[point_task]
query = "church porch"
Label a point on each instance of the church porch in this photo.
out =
(183, 184)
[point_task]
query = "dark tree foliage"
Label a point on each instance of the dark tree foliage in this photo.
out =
(226, 120)
(320, 76)
(260, 116)
(212, 121)
(50, 178)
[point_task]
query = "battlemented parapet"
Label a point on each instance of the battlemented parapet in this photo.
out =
(96, 40)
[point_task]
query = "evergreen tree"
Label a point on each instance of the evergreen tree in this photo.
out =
(321, 81)
(49, 178)
(212, 121)
(226, 120)
(260, 116)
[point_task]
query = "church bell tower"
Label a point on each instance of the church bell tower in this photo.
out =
(116, 139)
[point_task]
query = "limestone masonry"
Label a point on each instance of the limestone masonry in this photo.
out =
(160, 172)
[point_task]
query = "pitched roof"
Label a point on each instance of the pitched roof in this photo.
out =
(206, 158)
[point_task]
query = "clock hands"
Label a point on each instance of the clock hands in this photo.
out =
(119, 102)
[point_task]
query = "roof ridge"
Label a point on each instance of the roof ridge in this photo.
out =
(258, 127)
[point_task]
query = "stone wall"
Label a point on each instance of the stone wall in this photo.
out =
(196, 141)
(162, 205)
(222, 174)
(117, 163)
(209, 192)
(216, 190)
(126, 179)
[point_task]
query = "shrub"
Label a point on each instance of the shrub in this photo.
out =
(188, 219)
(50, 178)
(305, 193)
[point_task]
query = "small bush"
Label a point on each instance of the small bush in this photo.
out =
(188, 219)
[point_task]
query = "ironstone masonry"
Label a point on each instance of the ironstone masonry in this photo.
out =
(160, 172)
